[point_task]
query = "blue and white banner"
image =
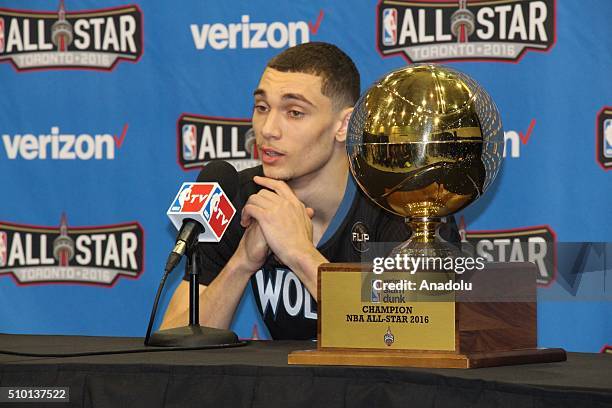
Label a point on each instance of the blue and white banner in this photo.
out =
(106, 107)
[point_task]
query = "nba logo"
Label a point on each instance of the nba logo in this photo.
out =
(607, 138)
(194, 197)
(3, 248)
(1, 34)
(218, 212)
(375, 293)
(181, 197)
(189, 142)
(389, 29)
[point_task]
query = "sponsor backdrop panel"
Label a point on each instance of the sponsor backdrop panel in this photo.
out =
(108, 106)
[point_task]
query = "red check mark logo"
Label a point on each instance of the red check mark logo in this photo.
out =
(119, 140)
(525, 138)
(314, 28)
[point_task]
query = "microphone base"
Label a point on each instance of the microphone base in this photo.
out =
(194, 336)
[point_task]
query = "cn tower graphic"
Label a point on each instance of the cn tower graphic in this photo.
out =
(462, 22)
(250, 145)
(466, 246)
(461, 228)
(63, 246)
(61, 30)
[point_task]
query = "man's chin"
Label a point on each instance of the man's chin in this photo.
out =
(276, 173)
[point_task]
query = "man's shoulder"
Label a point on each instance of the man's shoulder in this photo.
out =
(368, 208)
(247, 174)
(245, 180)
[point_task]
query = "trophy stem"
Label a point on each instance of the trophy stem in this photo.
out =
(423, 229)
(425, 241)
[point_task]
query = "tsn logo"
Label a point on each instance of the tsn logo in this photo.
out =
(190, 198)
(205, 203)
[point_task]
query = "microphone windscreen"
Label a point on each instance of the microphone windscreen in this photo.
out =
(223, 173)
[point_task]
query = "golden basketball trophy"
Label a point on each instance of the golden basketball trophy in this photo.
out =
(424, 142)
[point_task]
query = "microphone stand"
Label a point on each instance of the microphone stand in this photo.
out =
(193, 335)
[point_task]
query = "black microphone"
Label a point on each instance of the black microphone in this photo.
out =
(218, 171)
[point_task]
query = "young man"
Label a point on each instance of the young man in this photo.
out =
(300, 208)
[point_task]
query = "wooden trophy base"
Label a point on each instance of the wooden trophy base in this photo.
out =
(405, 358)
(491, 322)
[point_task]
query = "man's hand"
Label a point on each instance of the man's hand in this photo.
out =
(287, 228)
(284, 220)
(253, 248)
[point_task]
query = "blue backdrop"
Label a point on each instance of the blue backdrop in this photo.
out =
(106, 107)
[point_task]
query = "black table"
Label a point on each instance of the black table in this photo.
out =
(257, 375)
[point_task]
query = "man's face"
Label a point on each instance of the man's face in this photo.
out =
(294, 124)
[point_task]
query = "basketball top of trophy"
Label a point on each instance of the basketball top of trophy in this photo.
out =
(425, 141)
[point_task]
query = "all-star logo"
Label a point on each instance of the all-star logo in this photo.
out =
(537, 244)
(389, 338)
(95, 39)
(86, 255)
(426, 30)
(604, 138)
(205, 138)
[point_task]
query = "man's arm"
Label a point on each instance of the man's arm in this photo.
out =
(218, 301)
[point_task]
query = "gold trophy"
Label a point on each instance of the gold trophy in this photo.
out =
(424, 142)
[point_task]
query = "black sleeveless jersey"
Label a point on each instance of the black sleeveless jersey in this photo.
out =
(287, 308)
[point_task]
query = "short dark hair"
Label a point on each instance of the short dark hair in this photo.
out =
(339, 75)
